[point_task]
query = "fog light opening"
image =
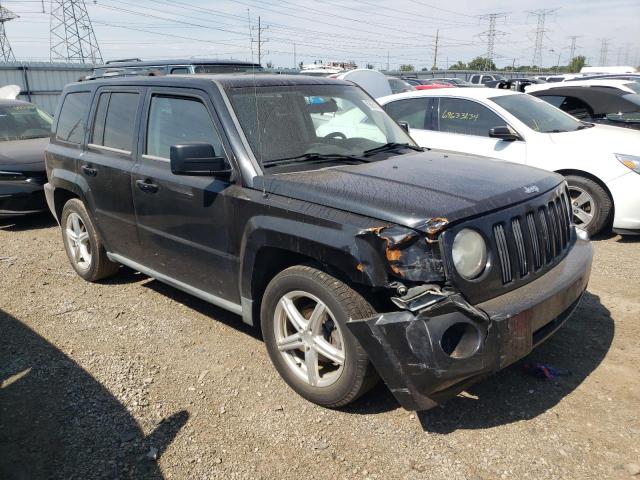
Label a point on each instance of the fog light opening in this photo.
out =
(460, 340)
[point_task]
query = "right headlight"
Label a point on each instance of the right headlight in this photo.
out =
(469, 253)
(629, 161)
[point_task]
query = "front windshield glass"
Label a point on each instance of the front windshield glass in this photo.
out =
(635, 86)
(303, 122)
(538, 114)
(23, 121)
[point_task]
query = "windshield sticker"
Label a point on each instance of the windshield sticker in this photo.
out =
(460, 116)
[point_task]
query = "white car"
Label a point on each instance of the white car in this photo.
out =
(601, 163)
(628, 86)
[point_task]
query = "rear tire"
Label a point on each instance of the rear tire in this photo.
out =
(84, 248)
(591, 205)
(316, 354)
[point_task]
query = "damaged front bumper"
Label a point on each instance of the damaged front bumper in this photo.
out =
(431, 355)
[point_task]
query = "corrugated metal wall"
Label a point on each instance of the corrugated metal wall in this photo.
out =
(42, 83)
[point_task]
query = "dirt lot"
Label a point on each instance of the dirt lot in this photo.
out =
(133, 379)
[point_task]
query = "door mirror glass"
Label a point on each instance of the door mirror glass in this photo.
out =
(198, 159)
(503, 133)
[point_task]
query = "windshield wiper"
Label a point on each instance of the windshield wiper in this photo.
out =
(313, 158)
(585, 125)
(387, 147)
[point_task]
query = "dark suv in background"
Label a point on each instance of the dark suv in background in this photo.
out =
(356, 251)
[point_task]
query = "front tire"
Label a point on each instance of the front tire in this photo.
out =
(591, 205)
(84, 248)
(303, 316)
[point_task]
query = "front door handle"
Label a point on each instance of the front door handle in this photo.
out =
(89, 171)
(146, 186)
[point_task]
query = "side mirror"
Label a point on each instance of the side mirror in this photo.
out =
(404, 126)
(197, 159)
(503, 133)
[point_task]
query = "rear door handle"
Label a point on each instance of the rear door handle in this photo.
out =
(89, 171)
(146, 186)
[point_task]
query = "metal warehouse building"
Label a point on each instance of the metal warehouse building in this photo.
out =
(42, 82)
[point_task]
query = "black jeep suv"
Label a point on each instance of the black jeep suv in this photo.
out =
(297, 203)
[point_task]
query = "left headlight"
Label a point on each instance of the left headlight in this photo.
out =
(469, 253)
(629, 161)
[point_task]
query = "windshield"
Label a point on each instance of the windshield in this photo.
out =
(22, 122)
(537, 114)
(635, 86)
(303, 122)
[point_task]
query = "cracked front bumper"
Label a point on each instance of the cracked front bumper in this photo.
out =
(431, 355)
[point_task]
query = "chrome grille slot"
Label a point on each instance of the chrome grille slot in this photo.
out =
(562, 230)
(520, 246)
(503, 253)
(553, 229)
(545, 234)
(535, 243)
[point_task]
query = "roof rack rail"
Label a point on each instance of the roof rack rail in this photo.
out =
(123, 60)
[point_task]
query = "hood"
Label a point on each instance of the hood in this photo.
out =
(601, 139)
(412, 188)
(23, 155)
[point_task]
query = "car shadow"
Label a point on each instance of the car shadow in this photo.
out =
(513, 395)
(28, 222)
(205, 308)
(57, 421)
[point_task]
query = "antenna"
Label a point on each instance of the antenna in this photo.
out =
(540, 31)
(6, 54)
(72, 38)
(491, 34)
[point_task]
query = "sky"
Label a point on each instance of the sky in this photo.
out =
(366, 31)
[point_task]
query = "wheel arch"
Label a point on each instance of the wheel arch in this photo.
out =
(590, 176)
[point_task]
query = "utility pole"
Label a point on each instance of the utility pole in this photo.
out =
(295, 60)
(627, 51)
(260, 41)
(604, 51)
(6, 53)
(491, 34)
(435, 54)
(72, 38)
(540, 31)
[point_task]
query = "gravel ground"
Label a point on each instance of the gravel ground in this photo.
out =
(133, 379)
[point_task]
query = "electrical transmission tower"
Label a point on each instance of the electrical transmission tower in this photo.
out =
(573, 39)
(540, 31)
(604, 51)
(72, 38)
(491, 33)
(6, 54)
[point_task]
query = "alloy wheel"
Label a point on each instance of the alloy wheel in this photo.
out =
(582, 206)
(309, 338)
(78, 242)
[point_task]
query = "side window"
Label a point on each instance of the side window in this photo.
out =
(555, 100)
(71, 124)
(413, 111)
(456, 115)
(114, 124)
(179, 120)
(179, 70)
(475, 78)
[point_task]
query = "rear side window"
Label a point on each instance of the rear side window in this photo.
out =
(178, 121)
(413, 111)
(71, 124)
(457, 115)
(114, 125)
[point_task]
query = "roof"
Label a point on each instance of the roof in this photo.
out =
(226, 80)
(620, 84)
(473, 93)
(176, 61)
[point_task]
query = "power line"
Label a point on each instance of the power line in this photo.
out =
(6, 53)
(72, 38)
